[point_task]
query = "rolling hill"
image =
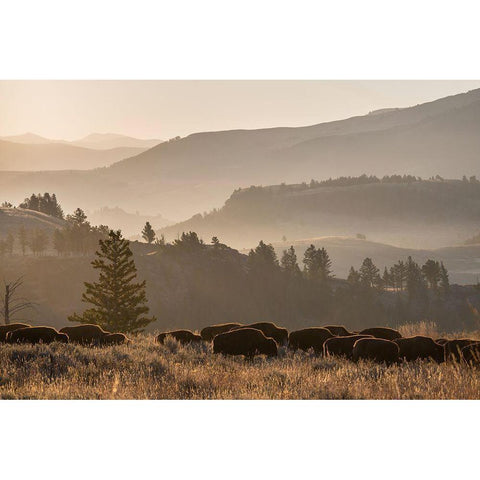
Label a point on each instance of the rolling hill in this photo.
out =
(416, 214)
(197, 172)
(57, 156)
(11, 219)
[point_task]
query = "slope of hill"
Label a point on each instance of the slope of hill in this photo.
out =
(191, 289)
(29, 137)
(11, 219)
(106, 141)
(57, 156)
(131, 224)
(419, 214)
(196, 173)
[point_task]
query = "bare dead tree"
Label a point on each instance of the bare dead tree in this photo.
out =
(11, 303)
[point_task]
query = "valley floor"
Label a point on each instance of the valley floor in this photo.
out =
(144, 370)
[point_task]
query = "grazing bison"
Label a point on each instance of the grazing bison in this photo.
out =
(245, 341)
(86, 334)
(376, 349)
(471, 354)
(453, 348)
(4, 329)
(313, 337)
(114, 339)
(36, 335)
(420, 347)
(182, 336)
(338, 330)
(279, 334)
(382, 332)
(209, 332)
(342, 346)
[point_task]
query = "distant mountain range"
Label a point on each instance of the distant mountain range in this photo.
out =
(33, 152)
(196, 173)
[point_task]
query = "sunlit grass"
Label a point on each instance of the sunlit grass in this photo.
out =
(145, 370)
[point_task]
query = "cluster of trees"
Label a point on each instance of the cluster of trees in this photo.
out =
(208, 283)
(45, 203)
(403, 276)
(36, 240)
(77, 237)
(363, 180)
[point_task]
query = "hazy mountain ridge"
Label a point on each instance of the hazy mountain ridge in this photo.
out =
(421, 213)
(198, 172)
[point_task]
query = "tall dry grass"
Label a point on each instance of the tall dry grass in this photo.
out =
(144, 370)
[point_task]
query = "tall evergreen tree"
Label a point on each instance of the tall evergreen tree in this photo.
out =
(431, 272)
(444, 280)
(119, 304)
(148, 233)
(370, 274)
(289, 262)
(317, 264)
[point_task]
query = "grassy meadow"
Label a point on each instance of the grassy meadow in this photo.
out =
(145, 370)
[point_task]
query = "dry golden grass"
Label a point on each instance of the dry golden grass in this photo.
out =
(144, 370)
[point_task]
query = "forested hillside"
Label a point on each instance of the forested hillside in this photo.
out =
(404, 211)
(191, 284)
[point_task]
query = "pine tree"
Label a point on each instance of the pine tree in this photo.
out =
(444, 280)
(431, 272)
(148, 233)
(370, 274)
(119, 304)
(289, 262)
(317, 264)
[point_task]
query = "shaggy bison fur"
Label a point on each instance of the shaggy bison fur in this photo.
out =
(342, 346)
(441, 341)
(86, 334)
(420, 347)
(382, 332)
(245, 341)
(453, 348)
(36, 335)
(338, 330)
(279, 334)
(307, 338)
(4, 329)
(471, 354)
(114, 339)
(376, 349)
(182, 336)
(209, 332)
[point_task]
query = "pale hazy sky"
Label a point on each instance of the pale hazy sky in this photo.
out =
(164, 109)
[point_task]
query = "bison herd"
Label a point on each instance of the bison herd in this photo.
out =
(81, 334)
(379, 344)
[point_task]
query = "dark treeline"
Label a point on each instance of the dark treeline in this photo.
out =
(45, 203)
(212, 283)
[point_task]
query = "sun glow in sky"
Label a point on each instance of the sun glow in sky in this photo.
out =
(164, 109)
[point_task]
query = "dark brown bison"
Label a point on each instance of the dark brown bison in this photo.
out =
(471, 354)
(376, 349)
(86, 334)
(209, 332)
(342, 346)
(338, 330)
(453, 348)
(313, 337)
(182, 336)
(279, 334)
(420, 347)
(36, 335)
(114, 339)
(441, 341)
(4, 329)
(245, 341)
(382, 332)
